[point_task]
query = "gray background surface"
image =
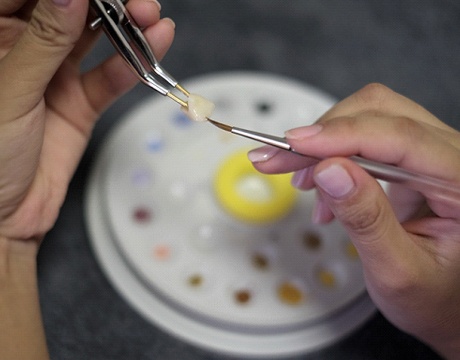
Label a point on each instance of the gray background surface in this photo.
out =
(412, 46)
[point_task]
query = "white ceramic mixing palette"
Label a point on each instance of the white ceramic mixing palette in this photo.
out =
(170, 249)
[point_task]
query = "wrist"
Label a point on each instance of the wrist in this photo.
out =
(17, 263)
(21, 330)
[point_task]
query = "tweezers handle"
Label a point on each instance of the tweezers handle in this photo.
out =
(121, 30)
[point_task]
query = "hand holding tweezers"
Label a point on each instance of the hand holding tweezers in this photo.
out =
(431, 187)
(123, 32)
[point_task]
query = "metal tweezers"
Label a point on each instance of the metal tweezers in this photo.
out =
(431, 187)
(123, 32)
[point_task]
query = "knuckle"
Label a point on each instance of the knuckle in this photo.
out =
(47, 31)
(409, 127)
(368, 222)
(374, 95)
(400, 281)
(408, 131)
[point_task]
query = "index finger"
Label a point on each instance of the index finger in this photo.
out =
(24, 7)
(378, 98)
(8, 7)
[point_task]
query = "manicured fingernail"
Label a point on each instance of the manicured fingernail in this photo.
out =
(298, 178)
(318, 211)
(303, 132)
(335, 181)
(262, 154)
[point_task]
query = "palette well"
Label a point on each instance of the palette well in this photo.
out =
(244, 274)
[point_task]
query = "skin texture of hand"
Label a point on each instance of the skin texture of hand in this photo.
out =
(47, 112)
(48, 108)
(409, 243)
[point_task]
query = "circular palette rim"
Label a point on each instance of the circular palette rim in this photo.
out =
(313, 335)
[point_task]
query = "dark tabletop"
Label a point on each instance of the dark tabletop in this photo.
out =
(412, 46)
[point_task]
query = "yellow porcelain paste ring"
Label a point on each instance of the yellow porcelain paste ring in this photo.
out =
(249, 195)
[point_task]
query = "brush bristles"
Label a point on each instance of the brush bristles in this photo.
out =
(220, 125)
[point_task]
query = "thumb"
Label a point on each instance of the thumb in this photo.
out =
(54, 28)
(360, 204)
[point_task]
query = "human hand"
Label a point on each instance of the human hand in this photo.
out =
(409, 242)
(47, 111)
(48, 107)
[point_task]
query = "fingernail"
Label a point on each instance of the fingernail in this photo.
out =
(262, 154)
(335, 181)
(318, 210)
(299, 177)
(303, 132)
(171, 21)
(158, 4)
